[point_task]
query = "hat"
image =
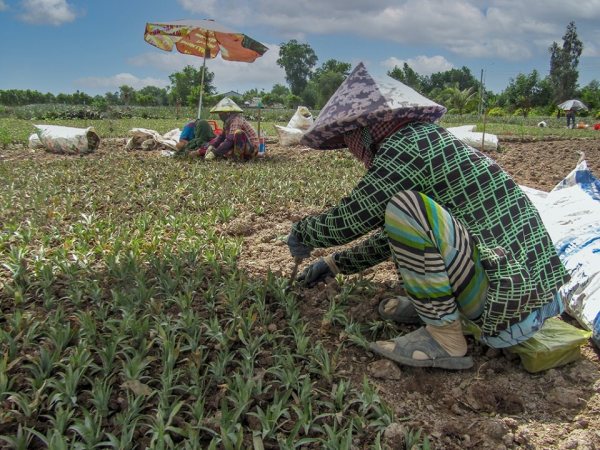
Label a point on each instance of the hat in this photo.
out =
(226, 105)
(361, 101)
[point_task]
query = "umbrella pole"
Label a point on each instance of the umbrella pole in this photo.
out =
(484, 120)
(201, 86)
(259, 123)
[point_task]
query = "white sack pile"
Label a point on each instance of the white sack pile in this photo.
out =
(144, 139)
(470, 137)
(296, 127)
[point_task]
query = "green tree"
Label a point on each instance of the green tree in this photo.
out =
(253, 93)
(277, 95)
(328, 78)
(297, 60)
(17, 97)
(270, 99)
(127, 95)
(185, 85)
(332, 65)
(433, 85)
(78, 98)
(310, 95)
(159, 94)
(525, 92)
(407, 76)
(590, 95)
(100, 102)
(64, 99)
(145, 100)
(327, 84)
(280, 90)
(293, 101)
(459, 99)
(563, 65)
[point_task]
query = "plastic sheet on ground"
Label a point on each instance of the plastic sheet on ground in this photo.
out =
(571, 213)
(65, 140)
(145, 139)
(469, 136)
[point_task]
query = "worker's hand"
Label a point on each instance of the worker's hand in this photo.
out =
(209, 155)
(318, 271)
(298, 249)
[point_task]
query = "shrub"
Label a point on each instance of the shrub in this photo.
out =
(497, 112)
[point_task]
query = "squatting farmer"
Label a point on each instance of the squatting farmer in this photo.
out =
(465, 239)
(238, 140)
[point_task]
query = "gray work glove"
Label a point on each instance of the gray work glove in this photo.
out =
(297, 248)
(318, 271)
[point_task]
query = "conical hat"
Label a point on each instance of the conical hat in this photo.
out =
(226, 105)
(362, 101)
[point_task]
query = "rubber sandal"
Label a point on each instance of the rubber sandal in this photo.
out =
(422, 340)
(404, 313)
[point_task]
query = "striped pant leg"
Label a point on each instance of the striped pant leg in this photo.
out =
(436, 259)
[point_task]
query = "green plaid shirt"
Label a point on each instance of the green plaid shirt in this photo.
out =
(519, 258)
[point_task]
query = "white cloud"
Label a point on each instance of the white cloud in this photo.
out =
(591, 45)
(511, 30)
(3, 6)
(423, 65)
(47, 12)
(208, 7)
(116, 81)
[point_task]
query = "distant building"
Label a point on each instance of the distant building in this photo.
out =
(253, 103)
(232, 94)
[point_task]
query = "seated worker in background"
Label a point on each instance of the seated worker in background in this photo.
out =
(465, 239)
(239, 140)
(196, 137)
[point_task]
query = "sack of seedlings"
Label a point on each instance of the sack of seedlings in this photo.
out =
(288, 136)
(67, 140)
(302, 119)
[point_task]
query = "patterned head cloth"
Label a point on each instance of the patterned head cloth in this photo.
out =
(226, 105)
(362, 101)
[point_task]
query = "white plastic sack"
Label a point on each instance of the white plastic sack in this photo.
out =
(144, 139)
(571, 213)
(288, 136)
(67, 140)
(34, 142)
(302, 119)
(172, 135)
(474, 139)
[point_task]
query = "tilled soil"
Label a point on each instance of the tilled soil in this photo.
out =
(496, 404)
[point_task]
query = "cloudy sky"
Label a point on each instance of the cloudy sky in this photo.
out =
(96, 46)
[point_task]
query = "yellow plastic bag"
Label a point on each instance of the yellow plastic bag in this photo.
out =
(555, 345)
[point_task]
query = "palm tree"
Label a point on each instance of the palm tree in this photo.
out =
(458, 99)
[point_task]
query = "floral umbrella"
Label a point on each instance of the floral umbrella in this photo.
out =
(205, 38)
